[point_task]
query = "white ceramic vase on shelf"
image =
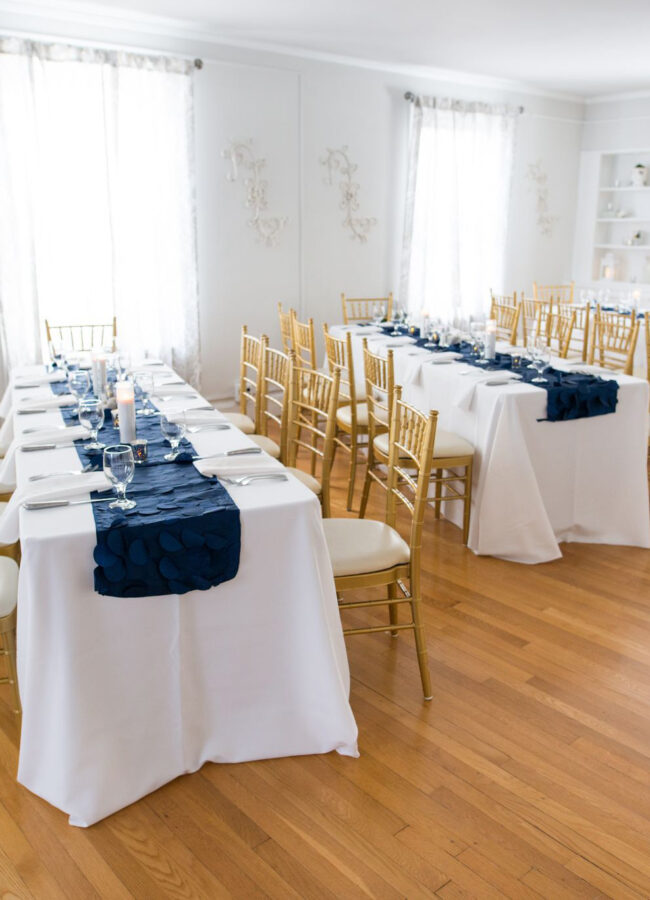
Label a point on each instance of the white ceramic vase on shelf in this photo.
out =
(639, 173)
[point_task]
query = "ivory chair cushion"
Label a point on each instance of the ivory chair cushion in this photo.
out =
(308, 480)
(447, 444)
(344, 415)
(8, 585)
(239, 420)
(357, 546)
(268, 446)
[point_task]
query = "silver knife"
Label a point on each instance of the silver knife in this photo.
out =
(30, 448)
(244, 451)
(52, 504)
(31, 412)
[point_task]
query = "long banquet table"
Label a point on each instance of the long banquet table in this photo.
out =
(536, 483)
(121, 695)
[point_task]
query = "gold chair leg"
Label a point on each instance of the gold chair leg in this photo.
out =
(421, 647)
(8, 642)
(353, 470)
(438, 504)
(12, 551)
(467, 501)
(393, 609)
(365, 493)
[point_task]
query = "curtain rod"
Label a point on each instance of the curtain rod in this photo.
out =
(412, 98)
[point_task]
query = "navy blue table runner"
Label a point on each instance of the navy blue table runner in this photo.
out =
(183, 535)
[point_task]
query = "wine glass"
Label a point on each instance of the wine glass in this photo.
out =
(395, 319)
(119, 467)
(377, 313)
(174, 432)
(540, 357)
(144, 380)
(91, 416)
(79, 384)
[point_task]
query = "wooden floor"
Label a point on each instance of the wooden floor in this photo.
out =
(528, 775)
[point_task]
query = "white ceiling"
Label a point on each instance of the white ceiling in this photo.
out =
(582, 47)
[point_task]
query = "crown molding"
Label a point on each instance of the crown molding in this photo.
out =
(69, 12)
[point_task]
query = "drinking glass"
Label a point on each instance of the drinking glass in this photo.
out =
(378, 313)
(91, 416)
(119, 467)
(540, 355)
(144, 380)
(174, 432)
(79, 384)
(396, 319)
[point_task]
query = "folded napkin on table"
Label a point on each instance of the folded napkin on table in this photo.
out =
(52, 378)
(239, 465)
(47, 436)
(466, 393)
(398, 341)
(198, 417)
(180, 388)
(47, 402)
(65, 487)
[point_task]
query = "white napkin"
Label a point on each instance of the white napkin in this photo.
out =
(161, 390)
(466, 394)
(239, 465)
(398, 341)
(198, 417)
(444, 357)
(46, 402)
(49, 436)
(52, 378)
(64, 487)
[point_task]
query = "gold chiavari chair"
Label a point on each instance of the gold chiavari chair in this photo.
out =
(554, 293)
(313, 404)
(505, 310)
(303, 341)
(368, 554)
(579, 342)
(250, 358)
(533, 315)
(613, 341)
(8, 601)
(285, 328)
(361, 309)
(81, 337)
(560, 329)
(452, 454)
(351, 416)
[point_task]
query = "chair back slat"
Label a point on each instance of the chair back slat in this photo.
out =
(275, 393)
(380, 380)
(533, 315)
(560, 330)
(338, 354)
(251, 377)
(303, 341)
(554, 294)
(312, 421)
(285, 328)
(579, 342)
(361, 309)
(82, 338)
(505, 310)
(613, 343)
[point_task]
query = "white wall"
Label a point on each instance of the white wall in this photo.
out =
(294, 109)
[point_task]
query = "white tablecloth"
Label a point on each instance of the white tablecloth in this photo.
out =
(122, 695)
(536, 483)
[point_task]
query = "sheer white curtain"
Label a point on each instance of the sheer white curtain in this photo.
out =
(97, 187)
(458, 192)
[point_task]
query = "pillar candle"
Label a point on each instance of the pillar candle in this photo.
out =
(99, 375)
(125, 397)
(490, 338)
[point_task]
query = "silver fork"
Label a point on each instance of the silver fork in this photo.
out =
(87, 468)
(243, 480)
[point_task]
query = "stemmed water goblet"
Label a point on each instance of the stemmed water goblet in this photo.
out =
(91, 416)
(540, 356)
(174, 432)
(144, 381)
(377, 313)
(79, 384)
(119, 468)
(396, 319)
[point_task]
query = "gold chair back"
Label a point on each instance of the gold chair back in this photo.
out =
(82, 338)
(579, 342)
(312, 422)
(275, 394)
(360, 309)
(506, 311)
(613, 342)
(554, 293)
(251, 376)
(380, 381)
(338, 353)
(285, 328)
(303, 341)
(560, 330)
(533, 315)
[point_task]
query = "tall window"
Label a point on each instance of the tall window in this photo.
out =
(460, 168)
(96, 180)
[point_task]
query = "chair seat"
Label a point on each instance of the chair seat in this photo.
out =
(447, 444)
(358, 546)
(344, 415)
(268, 446)
(308, 480)
(8, 586)
(239, 420)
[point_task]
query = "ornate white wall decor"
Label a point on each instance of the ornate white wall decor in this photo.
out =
(339, 161)
(538, 182)
(241, 155)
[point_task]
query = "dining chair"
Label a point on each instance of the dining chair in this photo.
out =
(357, 309)
(533, 315)
(554, 293)
(579, 342)
(367, 553)
(505, 310)
(250, 355)
(647, 341)
(312, 426)
(8, 602)
(285, 328)
(613, 341)
(352, 415)
(453, 456)
(303, 341)
(81, 337)
(560, 330)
